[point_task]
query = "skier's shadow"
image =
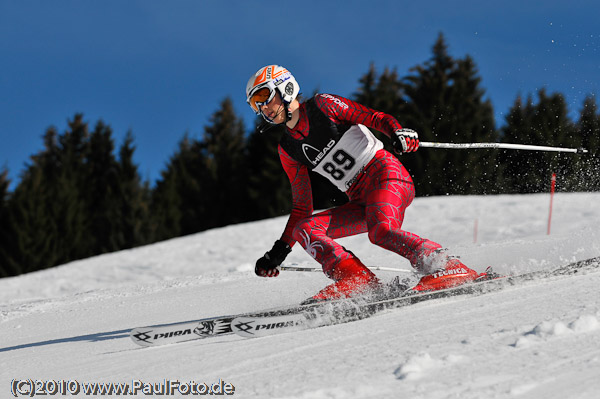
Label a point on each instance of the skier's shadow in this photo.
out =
(96, 337)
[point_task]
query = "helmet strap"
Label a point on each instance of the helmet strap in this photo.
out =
(269, 123)
(288, 113)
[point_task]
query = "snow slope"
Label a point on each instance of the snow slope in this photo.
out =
(538, 340)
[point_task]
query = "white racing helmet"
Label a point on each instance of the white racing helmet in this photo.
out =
(263, 85)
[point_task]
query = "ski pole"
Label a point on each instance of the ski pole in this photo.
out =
(508, 146)
(318, 269)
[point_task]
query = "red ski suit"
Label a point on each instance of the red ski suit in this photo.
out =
(378, 186)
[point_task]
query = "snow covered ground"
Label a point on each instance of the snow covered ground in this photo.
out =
(537, 340)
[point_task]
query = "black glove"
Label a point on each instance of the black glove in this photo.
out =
(405, 140)
(268, 265)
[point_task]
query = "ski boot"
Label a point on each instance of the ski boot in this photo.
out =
(454, 273)
(352, 278)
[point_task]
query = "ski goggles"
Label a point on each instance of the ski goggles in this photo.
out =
(261, 97)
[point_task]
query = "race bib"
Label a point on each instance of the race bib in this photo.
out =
(346, 159)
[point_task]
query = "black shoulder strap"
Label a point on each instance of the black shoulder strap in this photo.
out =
(321, 131)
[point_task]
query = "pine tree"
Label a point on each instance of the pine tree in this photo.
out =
(368, 85)
(472, 120)
(134, 200)
(586, 174)
(49, 201)
(101, 194)
(205, 184)
(35, 242)
(544, 123)
(178, 198)
(444, 102)
(511, 163)
(224, 145)
(7, 267)
(269, 191)
(381, 93)
(70, 203)
(4, 185)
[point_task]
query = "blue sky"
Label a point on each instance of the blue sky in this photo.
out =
(162, 68)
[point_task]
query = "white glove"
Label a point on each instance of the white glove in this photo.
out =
(405, 140)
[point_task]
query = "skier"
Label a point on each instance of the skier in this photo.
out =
(328, 134)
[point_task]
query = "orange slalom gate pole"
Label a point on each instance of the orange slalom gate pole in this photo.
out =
(552, 187)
